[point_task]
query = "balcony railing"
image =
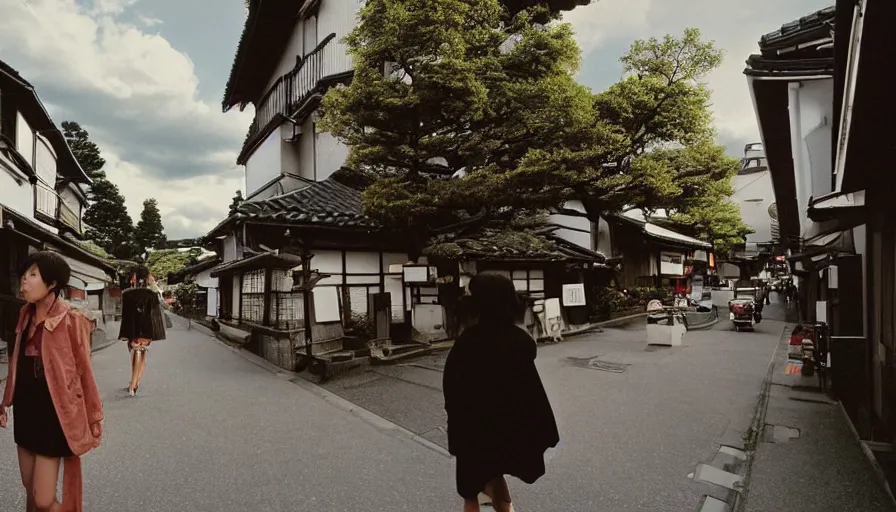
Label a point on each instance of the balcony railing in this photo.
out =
(70, 217)
(291, 90)
(46, 201)
(50, 208)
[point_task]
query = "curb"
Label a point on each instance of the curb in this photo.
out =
(333, 399)
(108, 343)
(756, 426)
(869, 454)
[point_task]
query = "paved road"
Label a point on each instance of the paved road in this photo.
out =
(213, 432)
(629, 440)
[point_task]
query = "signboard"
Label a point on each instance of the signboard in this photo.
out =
(574, 295)
(671, 263)
(418, 273)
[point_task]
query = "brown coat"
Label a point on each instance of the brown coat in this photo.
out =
(70, 379)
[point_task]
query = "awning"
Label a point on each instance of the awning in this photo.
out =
(87, 274)
(259, 261)
(848, 208)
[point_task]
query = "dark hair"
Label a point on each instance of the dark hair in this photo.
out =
(52, 267)
(495, 299)
(141, 274)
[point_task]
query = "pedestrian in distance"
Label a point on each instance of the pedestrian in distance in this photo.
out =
(500, 421)
(142, 322)
(57, 410)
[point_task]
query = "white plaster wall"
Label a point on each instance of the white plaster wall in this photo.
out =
(815, 103)
(291, 52)
(306, 150)
(264, 164)
(230, 249)
(15, 196)
(330, 154)
(362, 262)
(581, 235)
(24, 139)
(205, 279)
(329, 262)
(747, 190)
(289, 151)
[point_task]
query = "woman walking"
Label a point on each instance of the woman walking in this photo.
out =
(500, 421)
(51, 388)
(142, 323)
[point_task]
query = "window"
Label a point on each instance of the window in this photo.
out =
(252, 296)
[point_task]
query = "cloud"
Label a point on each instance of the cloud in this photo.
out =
(149, 21)
(137, 95)
(605, 20)
(190, 206)
(735, 26)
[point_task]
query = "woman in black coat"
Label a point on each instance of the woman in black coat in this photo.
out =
(500, 421)
(142, 322)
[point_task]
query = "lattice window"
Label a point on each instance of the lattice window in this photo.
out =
(252, 297)
(288, 310)
(359, 298)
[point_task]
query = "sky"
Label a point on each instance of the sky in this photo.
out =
(146, 78)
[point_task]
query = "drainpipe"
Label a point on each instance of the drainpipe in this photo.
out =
(796, 148)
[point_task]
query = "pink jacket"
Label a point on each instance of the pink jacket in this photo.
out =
(66, 361)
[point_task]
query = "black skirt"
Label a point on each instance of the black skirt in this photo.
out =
(474, 471)
(35, 422)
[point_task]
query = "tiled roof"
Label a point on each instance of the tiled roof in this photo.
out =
(510, 244)
(801, 47)
(265, 34)
(257, 261)
(659, 233)
(325, 202)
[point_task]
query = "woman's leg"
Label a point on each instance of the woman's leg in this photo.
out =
(141, 367)
(498, 491)
(135, 365)
(26, 469)
(45, 476)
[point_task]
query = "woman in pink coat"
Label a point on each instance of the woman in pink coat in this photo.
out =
(51, 388)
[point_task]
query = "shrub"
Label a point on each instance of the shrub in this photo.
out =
(185, 297)
(360, 325)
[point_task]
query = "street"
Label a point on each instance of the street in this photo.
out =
(211, 431)
(628, 440)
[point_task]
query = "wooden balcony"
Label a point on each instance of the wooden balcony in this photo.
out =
(293, 90)
(46, 203)
(51, 209)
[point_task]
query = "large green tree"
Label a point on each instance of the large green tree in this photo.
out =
(150, 234)
(109, 225)
(448, 86)
(651, 143)
(460, 86)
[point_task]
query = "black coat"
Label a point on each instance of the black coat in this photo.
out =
(141, 315)
(494, 397)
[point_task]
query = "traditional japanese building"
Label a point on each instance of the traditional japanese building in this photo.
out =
(296, 206)
(43, 197)
(826, 119)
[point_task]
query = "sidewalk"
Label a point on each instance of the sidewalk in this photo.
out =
(807, 456)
